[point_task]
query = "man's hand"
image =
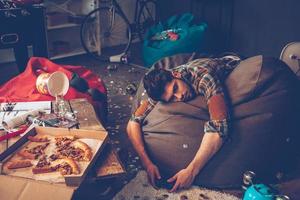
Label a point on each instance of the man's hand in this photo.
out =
(210, 144)
(153, 174)
(135, 136)
(183, 179)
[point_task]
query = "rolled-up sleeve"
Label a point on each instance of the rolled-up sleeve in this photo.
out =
(210, 87)
(217, 126)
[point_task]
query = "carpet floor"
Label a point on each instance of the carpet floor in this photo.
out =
(139, 189)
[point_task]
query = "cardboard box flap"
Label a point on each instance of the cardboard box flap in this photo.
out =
(24, 189)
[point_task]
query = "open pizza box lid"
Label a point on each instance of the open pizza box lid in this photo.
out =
(12, 187)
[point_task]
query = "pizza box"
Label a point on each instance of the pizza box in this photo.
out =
(21, 188)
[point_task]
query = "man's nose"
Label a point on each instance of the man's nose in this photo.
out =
(179, 96)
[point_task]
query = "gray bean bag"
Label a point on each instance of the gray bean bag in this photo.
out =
(263, 93)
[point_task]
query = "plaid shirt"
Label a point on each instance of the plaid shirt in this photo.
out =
(204, 75)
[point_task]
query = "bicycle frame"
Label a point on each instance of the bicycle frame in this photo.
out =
(115, 7)
(114, 12)
(138, 4)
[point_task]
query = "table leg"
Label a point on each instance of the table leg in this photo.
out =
(21, 56)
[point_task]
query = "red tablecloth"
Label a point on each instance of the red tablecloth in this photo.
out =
(22, 87)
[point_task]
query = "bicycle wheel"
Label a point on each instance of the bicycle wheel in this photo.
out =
(105, 35)
(147, 17)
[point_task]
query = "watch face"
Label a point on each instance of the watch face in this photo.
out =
(290, 54)
(55, 121)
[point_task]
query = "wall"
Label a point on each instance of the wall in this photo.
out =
(264, 26)
(167, 8)
(249, 27)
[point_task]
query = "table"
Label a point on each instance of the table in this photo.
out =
(109, 164)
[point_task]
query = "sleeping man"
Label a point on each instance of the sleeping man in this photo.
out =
(204, 77)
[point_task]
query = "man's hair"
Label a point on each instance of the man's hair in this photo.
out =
(155, 82)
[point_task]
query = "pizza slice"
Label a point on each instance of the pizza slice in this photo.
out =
(43, 166)
(87, 151)
(43, 170)
(38, 138)
(63, 141)
(34, 152)
(67, 166)
(19, 164)
(77, 150)
(26, 154)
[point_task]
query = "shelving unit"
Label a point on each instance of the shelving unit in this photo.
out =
(74, 52)
(67, 25)
(63, 19)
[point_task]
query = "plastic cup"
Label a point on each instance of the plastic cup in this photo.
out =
(53, 84)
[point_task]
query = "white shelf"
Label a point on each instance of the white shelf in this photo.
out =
(68, 31)
(72, 53)
(67, 25)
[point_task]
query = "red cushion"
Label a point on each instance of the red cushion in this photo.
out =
(22, 87)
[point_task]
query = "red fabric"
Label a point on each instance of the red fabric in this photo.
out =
(22, 87)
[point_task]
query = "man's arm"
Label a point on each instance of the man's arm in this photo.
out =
(215, 130)
(134, 132)
(210, 144)
(135, 136)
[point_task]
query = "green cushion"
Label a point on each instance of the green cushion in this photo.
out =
(191, 39)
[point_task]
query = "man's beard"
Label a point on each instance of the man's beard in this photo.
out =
(191, 94)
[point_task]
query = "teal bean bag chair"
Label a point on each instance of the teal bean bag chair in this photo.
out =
(191, 38)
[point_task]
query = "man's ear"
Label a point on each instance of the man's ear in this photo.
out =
(176, 74)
